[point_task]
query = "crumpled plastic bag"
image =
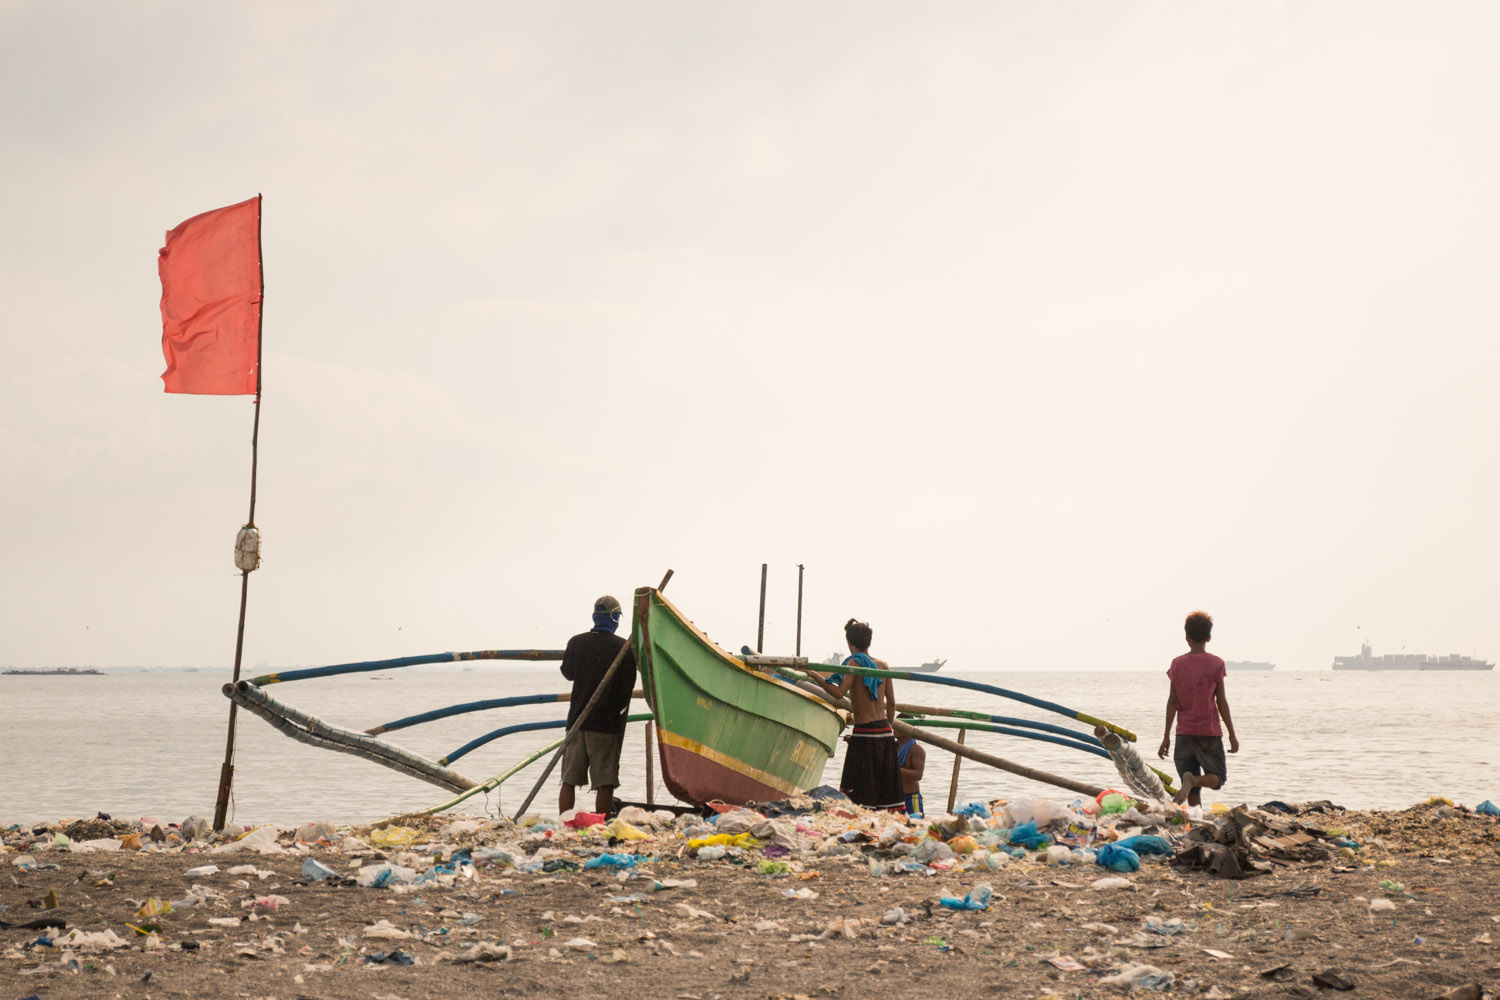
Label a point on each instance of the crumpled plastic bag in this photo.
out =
(105, 940)
(394, 836)
(1113, 882)
(1146, 844)
(1117, 858)
(386, 931)
(1146, 976)
(1027, 836)
(381, 875)
(979, 899)
(315, 871)
(621, 830)
(1038, 812)
(311, 833)
(612, 861)
(721, 840)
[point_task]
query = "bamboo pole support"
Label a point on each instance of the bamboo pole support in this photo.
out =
(650, 770)
(760, 631)
(957, 760)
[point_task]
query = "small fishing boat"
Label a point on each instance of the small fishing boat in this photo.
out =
(724, 730)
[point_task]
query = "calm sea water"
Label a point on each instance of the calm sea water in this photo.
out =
(136, 744)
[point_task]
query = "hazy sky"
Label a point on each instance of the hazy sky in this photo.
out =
(1028, 328)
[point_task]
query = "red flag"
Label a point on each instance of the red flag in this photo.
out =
(210, 302)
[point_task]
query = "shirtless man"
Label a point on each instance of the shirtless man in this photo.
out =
(872, 776)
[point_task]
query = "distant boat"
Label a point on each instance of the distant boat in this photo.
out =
(1249, 665)
(1407, 661)
(54, 672)
(931, 667)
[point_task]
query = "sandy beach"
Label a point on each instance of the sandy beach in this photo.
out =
(1394, 904)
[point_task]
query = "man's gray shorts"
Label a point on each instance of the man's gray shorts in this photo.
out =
(596, 755)
(1201, 755)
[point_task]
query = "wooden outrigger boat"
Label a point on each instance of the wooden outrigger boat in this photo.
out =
(725, 731)
(729, 728)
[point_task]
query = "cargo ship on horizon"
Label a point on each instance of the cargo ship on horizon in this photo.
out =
(1407, 661)
(1248, 665)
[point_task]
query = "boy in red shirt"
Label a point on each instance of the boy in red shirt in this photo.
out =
(1197, 702)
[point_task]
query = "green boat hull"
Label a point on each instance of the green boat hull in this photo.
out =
(725, 732)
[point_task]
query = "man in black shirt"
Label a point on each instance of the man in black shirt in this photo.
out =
(595, 751)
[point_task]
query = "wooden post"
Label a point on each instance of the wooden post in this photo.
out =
(799, 610)
(953, 786)
(650, 769)
(760, 633)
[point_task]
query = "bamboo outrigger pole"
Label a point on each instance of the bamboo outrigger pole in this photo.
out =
(226, 772)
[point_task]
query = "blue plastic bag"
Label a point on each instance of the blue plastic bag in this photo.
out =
(979, 899)
(1487, 808)
(973, 809)
(1029, 837)
(612, 861)
(1117, 858)
(1146, 843)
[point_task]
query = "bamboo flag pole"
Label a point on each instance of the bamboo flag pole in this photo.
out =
(226, 772)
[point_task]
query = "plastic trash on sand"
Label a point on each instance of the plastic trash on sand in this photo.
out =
(1145, 976)
(1113, 882)
(1058, 855)
(722, 840)
(713, 853)
(1487, 808)
(612, 861)
(621, 830)
(381, 875)
(932, 850)
(1146, 844)
(1114, 802)
(979, 899)
(1117, 858)
(315, 871)
(963, 845)
(311, 833)
(393, 836)
(583, 820)
(1027, 836)
(1037, 812)
(386, 931)
(105, 940)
